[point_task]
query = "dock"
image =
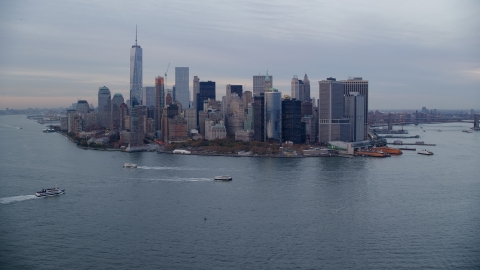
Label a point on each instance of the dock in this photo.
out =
(399, 137)
(419, 144)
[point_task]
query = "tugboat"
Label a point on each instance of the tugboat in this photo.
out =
(425, 152)
(223, 178)
(49, 192)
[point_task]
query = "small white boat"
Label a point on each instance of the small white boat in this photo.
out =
(467, 131)
(129, 165)
(223, 178)
(49, 192)
(425, 152)
(182, 152)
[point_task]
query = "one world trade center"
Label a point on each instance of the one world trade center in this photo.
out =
(136, 74)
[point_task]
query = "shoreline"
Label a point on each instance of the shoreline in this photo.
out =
(255, 156)
(196, 153)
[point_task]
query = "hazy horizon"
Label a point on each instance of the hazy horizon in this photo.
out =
(413, 54)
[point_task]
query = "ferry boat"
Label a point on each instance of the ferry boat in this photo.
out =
(223, 178)
(129, 165)
(371, 154)
(388, 150)
(467, 131)
(425, 152)
(182, 152)
(48, 130)
(49, 192)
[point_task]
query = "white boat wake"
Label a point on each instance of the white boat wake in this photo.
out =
(178, 179)
(171, 168)
(174, 179)
(20, 198)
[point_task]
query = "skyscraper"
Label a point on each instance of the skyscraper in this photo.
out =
(206, 91)
(159, 101)
(136, 94)
(360, 86)
(148, 96)
(104, 106)
(306, 90)
(259, 83)
(295, 88)
(136, 75)
(273, 115)
(231, 89)
(196, 90)
(182, 91)
(355, 111)
(300, 89)
(332, 125)
(258, 107)
(117, 100)
(291, 120)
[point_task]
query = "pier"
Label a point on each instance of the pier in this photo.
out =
(399, 137)
(419, 144)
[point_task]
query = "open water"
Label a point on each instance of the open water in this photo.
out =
(403, 212)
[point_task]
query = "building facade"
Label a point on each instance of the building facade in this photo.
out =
(258, 106)
(206, 92)
(196, 90)
(360, 86)
(136, 75)
(124, 122)
(149, 96)
(259, 83)
(332, 124)
(159, 101)
(182, 90)
(292, 121)
(355, 111)
(117, 100)
(104, 107)
(273, 115)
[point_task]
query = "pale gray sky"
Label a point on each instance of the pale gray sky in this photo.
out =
(414, 53)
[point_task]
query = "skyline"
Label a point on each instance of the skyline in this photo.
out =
(422, 54)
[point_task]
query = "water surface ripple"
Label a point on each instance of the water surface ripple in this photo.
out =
(405, 212)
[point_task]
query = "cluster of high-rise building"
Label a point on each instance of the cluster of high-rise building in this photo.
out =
(339, 114)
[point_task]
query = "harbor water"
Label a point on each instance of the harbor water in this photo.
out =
(402, 212)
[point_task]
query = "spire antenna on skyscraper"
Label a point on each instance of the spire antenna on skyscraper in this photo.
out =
(135, 35)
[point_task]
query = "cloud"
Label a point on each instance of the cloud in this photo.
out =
(66, 48)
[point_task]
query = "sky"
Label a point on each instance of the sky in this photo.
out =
(413, 53)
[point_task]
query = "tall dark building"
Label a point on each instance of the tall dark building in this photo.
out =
(307, 108)
(292, 121)
(238, 89)
(159, 101)
(259, 117)
(206, 91)
(117, 100)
